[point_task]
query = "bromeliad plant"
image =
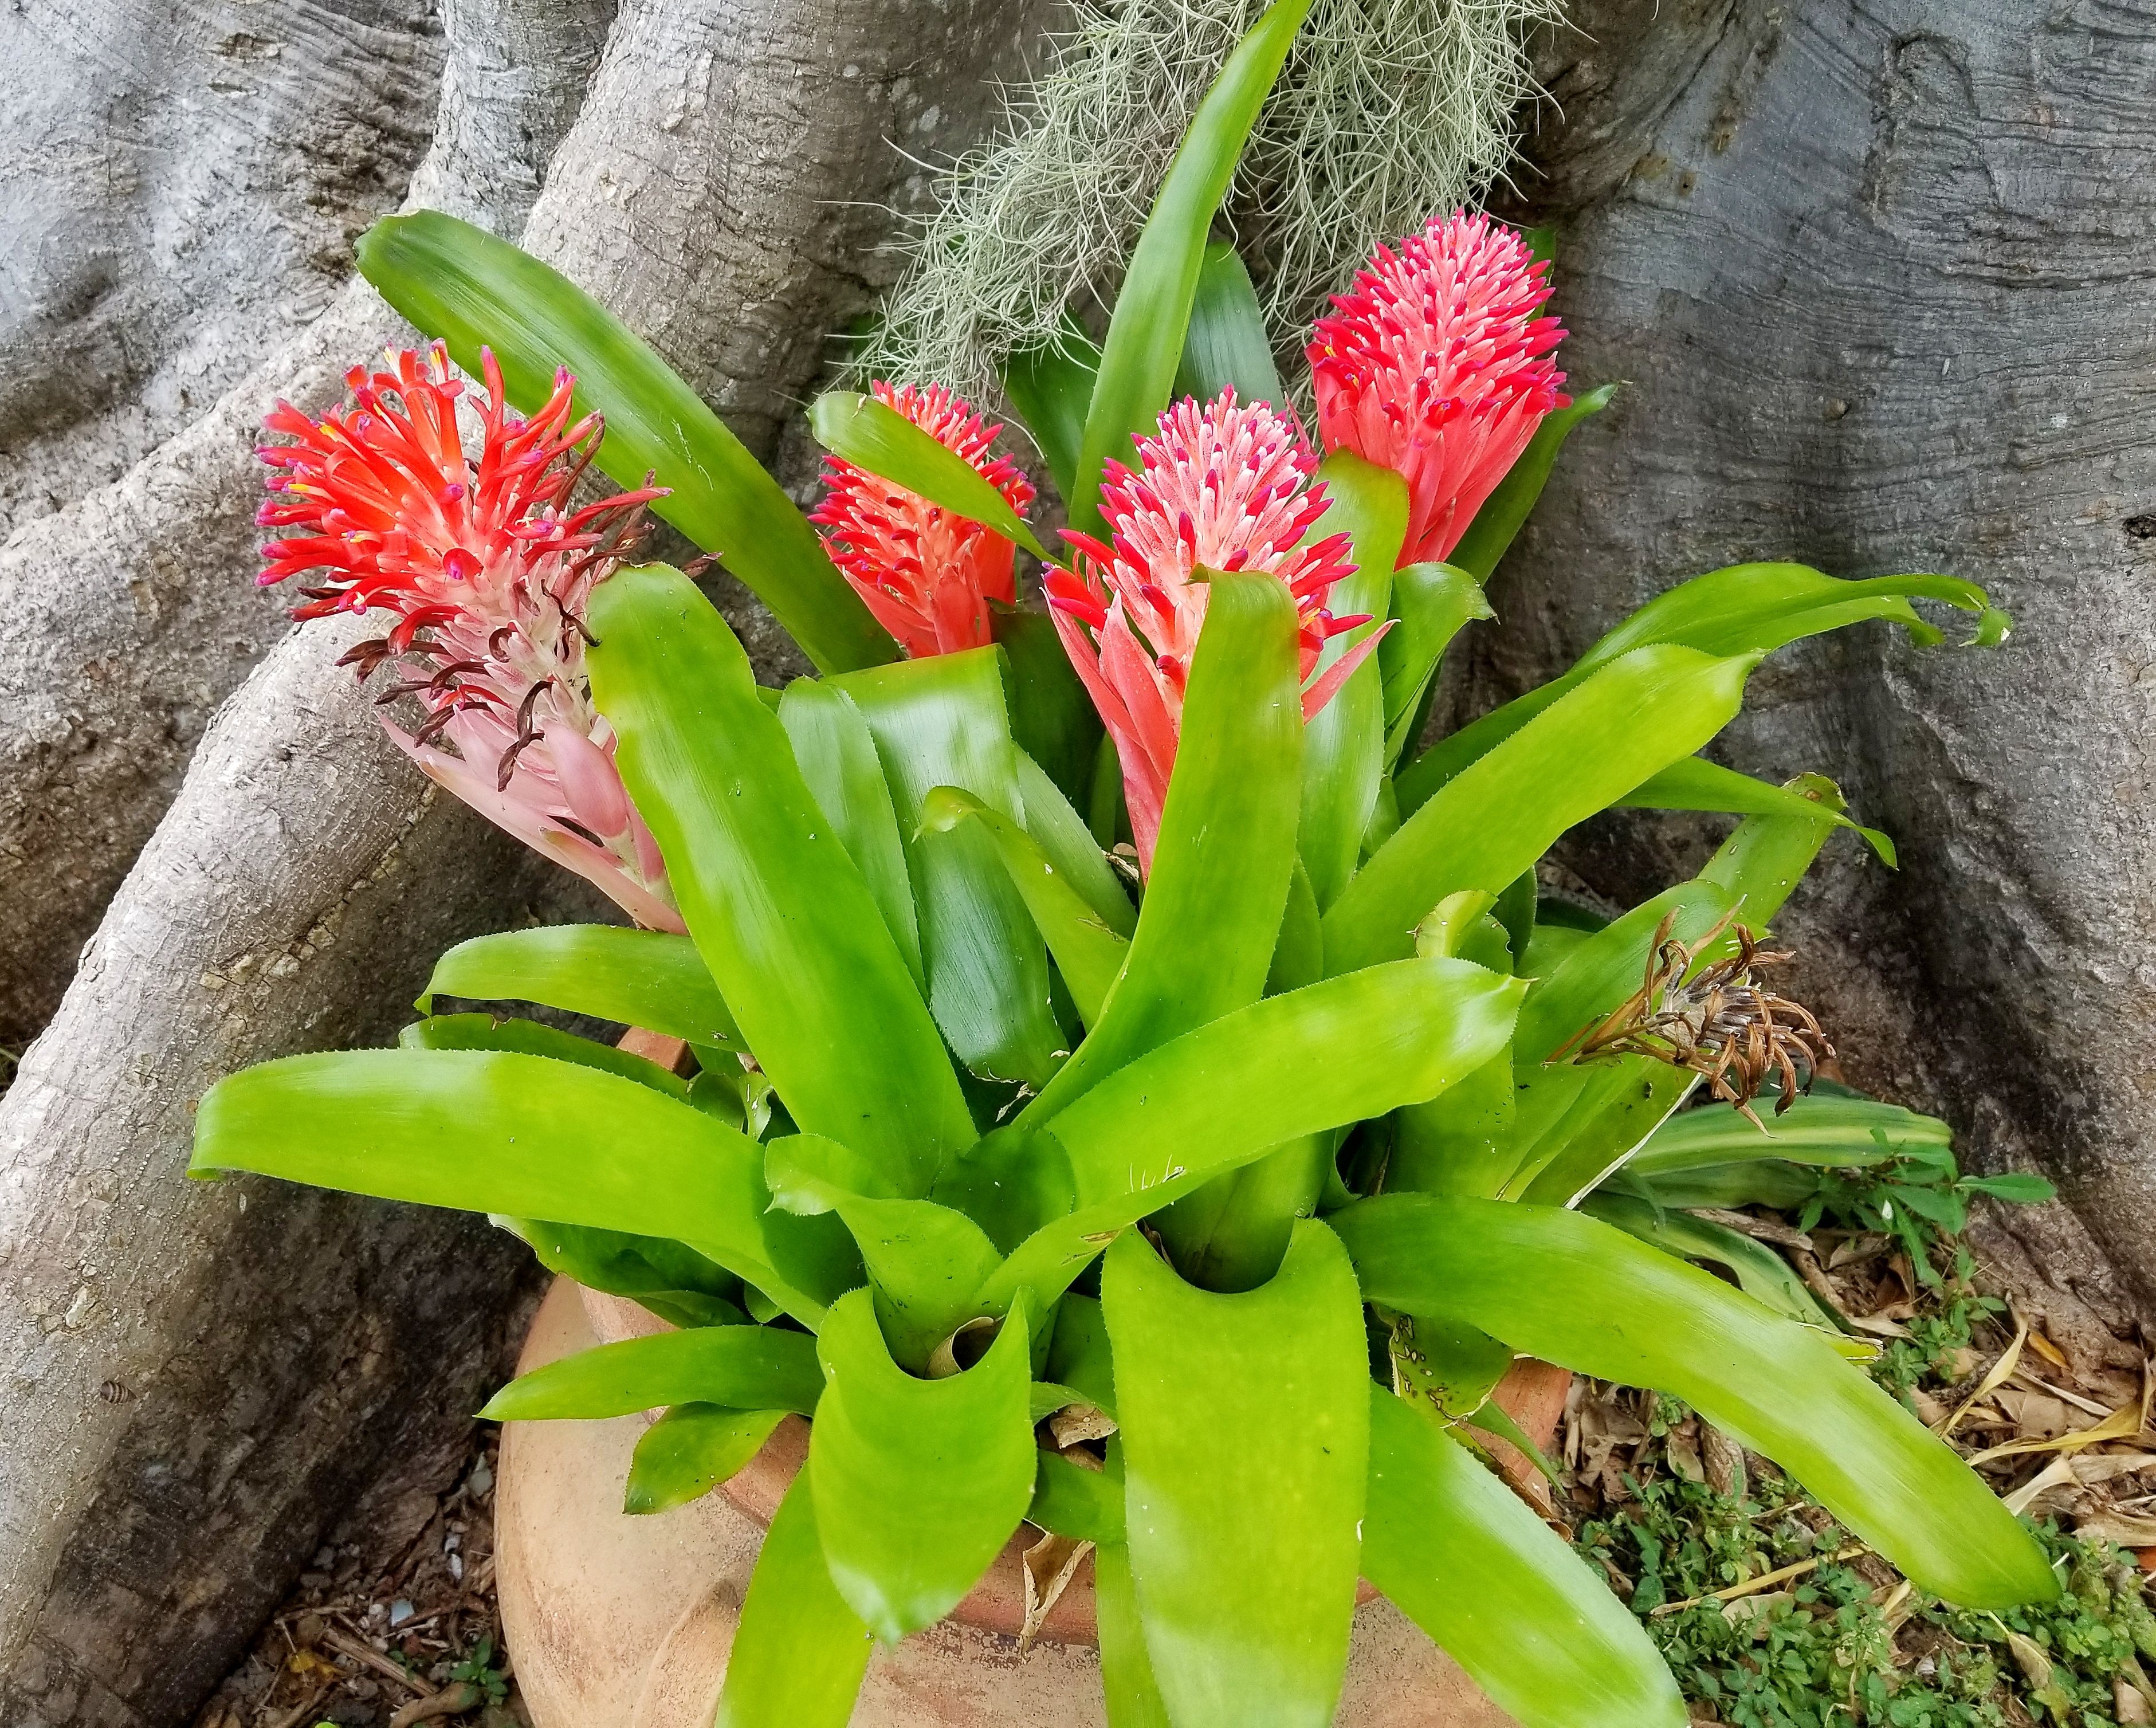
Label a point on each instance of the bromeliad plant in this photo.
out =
(1258, 1143)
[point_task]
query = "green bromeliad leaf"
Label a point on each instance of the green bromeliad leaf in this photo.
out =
(1087, 952)
(1506, 510)
(837, 755)
(745, 1367)
(1204, 938)
(1460, 1554)
(1226, 347)
(1616, 1104)
(1577, 1292)
(1053, 721)
(1432, 603)
(1151, 318)
(941, 721)
(800, 1652)
(478, 293)
(1343, 757)
(1127, 1686)
(1745, 609)
(876, 438)
(532, 1138)
(633, 977)
(784, 921)
(1760, 1273)
(690, 1451)
(1836, 1130)
(1051, 386)
(1697, 784)
(1215, 1099)
(924, 1261)
(918, 1483)
(1244, 1555)
(1068, 843)
(672, 1280)
(483, 1032)
(1072, 1501)
(1631, 719)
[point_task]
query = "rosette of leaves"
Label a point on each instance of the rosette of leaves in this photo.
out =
(1268, 1168)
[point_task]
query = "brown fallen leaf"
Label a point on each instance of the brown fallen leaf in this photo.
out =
(2125, 1530)
(452, 1700)
(1049, 1566)
(2050, 1352)
(1074, 1422)
(2009, 1359)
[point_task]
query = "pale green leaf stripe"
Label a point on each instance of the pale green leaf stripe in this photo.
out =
(1586, 752)
(1822, 1129)
(745, 1367)
(874, 436)
(1245, 1555)
(800, 1652)
(1214, 1098)
(475, 291)
(918, 1483)
(495, 1131)
(633, 977)
(1577, 1292)
(1152, 318)
(1460, 1554)
(782, 918)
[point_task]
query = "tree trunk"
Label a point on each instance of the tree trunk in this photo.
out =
(199, 1376)
(132, 616)
(1877, 279)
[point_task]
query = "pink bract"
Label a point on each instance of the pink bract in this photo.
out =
(926, 575)
(1223, 487)
(1436, 365)
(487, 572)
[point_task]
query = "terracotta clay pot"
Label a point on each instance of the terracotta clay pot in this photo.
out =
(620, 1622)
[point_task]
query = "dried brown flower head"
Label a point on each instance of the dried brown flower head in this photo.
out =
(1721, 1023)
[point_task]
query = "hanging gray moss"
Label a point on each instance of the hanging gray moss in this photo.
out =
(1386, 111)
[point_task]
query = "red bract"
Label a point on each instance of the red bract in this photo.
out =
(927, 575)
(486, 572)
(1436, 365)
(1223, 487)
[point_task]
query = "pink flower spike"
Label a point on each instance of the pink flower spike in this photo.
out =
(1223, 487)
(1436, 365)
(926, 575)
(486, 576)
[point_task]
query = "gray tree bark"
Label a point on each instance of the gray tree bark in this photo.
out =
(198, 1377)
(1879, 277)
(133, 613)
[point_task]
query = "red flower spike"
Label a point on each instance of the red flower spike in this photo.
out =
(486, 572)
(1436, 365)
(926, 575)
(1224, 487)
